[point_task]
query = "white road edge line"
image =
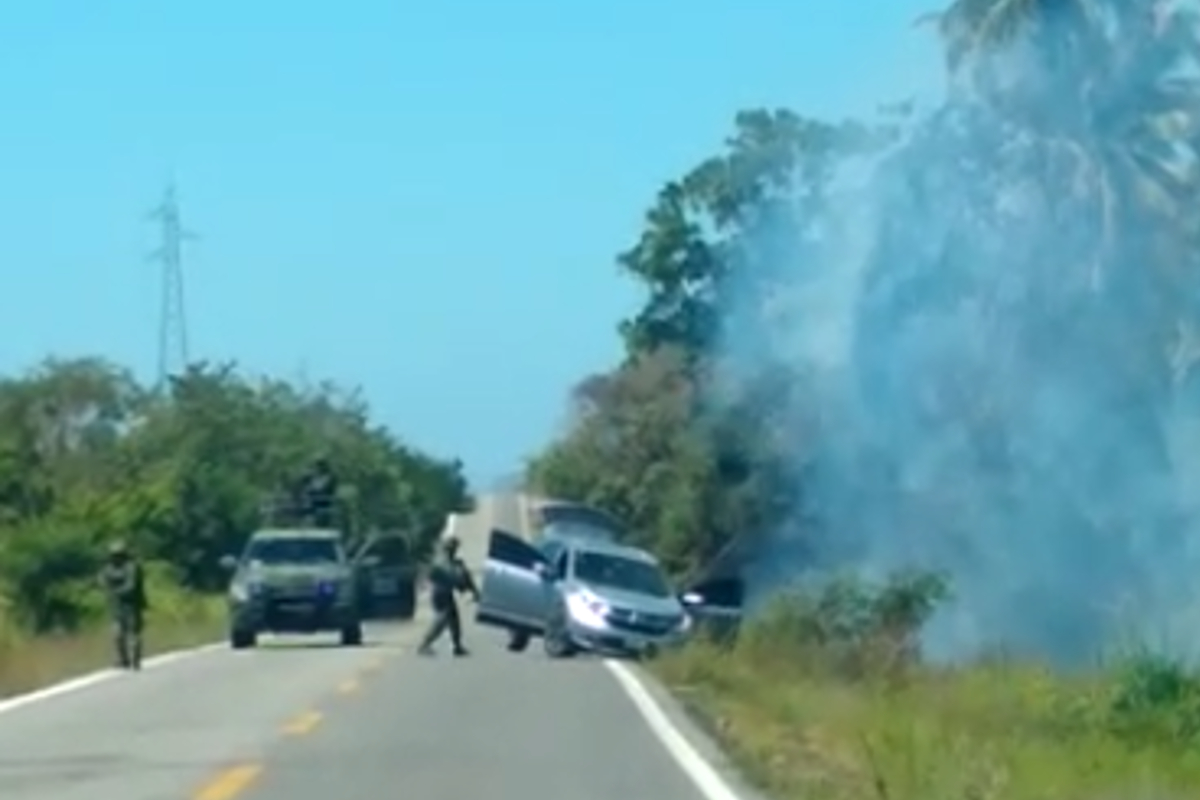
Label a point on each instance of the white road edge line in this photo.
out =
(700, 772)
(95, 678)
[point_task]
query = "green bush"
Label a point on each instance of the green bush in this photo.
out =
(861, 631)
(1155, 699)
(849, 625)
(48, 572)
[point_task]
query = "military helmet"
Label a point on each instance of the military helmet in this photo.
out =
(450, 541)
(118, 547)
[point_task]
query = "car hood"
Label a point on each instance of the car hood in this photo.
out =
(636, 601)
(274, 574)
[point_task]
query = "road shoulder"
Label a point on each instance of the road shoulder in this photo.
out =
(707, 764)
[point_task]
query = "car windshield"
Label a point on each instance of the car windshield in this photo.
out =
(578, 530)
(619, 572)
(300, 550)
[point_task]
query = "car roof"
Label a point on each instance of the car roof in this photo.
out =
(296, 533)
(608, 548)
(569, 511)
(576, 530)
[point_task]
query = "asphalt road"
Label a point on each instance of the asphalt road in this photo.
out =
(299, 721)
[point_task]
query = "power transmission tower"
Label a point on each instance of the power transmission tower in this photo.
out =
(173, 357)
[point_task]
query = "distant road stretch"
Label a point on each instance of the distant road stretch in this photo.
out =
(300, 719)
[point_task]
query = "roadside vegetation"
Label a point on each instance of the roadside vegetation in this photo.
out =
(87, 455)
(957, 339)
(824, 697)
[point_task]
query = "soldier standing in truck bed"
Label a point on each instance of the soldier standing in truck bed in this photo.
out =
(320, 493)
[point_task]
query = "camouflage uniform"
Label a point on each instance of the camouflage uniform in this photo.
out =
(124, 585)
(320, 493)
(448, 575)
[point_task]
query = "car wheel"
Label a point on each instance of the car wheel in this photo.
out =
(518, 641)
(555, 641)
(408, 600)
(242, 639)
(352, 635)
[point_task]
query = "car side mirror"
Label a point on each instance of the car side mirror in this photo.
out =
(228, 563)
(692, 599)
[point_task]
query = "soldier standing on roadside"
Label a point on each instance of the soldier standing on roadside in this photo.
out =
(448, 575)
(124, 585)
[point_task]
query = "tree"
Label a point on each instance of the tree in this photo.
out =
(687, 453)
(87, 455)
(1102, 94)
(715, 240)
(962, 338)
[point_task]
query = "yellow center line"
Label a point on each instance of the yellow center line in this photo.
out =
(229, 783)
(303, 724)
(348, 687)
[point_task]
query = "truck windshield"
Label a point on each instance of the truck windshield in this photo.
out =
(618, 572)
(301, 550)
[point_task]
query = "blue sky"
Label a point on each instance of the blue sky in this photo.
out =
(423, 200)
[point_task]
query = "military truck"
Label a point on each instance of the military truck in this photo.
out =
(294, 580)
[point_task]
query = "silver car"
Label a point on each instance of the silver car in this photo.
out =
(582, 593)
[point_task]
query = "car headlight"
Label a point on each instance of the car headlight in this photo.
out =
(339, 590)
(247, 590)
(587, 609)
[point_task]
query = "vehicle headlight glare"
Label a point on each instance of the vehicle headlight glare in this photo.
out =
(587, 609)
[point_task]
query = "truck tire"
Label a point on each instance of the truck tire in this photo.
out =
(352, 635)
(240, 639)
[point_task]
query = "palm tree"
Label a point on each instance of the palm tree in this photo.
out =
(1106, 95)
(1101, 100)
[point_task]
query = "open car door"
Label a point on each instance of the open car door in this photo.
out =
(387, 576)
(716, 605)
(513, 586)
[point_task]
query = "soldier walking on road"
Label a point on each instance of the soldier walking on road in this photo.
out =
(124, 585)
(447, 576)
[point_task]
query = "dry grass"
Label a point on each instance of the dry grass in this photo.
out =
(804, 721)
(30, 662)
